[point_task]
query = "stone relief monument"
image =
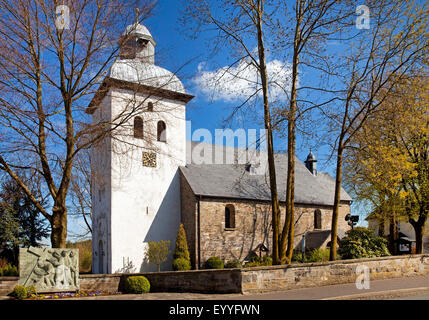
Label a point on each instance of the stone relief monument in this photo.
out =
(49, 270)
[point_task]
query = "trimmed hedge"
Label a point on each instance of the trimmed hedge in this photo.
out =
(234, 264)
(181, 264)
(214, 263)
(137, 284)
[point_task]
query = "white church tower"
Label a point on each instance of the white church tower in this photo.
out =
(136, 187)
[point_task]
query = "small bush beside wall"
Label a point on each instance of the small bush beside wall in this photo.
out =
(317, 255)
(214, 263)
(181, 264)
(19, 292)
(256, 261)
(233, 264)
(137, 284)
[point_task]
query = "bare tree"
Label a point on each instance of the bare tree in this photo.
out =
(49, 69)
(315, 22)
(242, 24)
(377, 59)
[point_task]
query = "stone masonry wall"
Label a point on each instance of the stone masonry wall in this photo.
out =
(207, 281)
(253, 226)
(277, 278)
(189, 217)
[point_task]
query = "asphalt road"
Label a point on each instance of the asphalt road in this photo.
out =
(420, 296)
(379, 289)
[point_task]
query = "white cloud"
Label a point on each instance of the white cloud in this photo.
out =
(240, 81)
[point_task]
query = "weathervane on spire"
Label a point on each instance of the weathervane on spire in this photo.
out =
(137, 15)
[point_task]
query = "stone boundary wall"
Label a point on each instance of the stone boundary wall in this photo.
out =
(205, 281)
(258, 279)
(277, 278)
(7, 284)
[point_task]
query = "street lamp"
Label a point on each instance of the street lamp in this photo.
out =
(352, 220)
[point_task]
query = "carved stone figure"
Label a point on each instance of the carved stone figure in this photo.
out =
(49, 270)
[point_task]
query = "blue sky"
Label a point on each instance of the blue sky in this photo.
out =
(184, 56)
(178, 53)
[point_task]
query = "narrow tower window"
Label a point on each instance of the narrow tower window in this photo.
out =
(229, 216)
(317, 219)
(162, 131)
(138, 127)
(150, 107)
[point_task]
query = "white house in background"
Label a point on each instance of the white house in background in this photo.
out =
(382, 228)
(135, 203)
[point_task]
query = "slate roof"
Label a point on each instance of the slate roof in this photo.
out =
(234, 181)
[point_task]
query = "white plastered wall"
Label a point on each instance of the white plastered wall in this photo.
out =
(145, 201)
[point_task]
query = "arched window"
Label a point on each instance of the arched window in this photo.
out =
(317, 219)
(229, 216)
(162, 131)
(138, 127)
(150, 106)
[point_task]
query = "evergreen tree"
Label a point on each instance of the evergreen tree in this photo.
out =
(21, 224)
(181, 250)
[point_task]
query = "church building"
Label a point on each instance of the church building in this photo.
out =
(146, 182)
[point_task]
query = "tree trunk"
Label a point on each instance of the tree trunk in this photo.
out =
(288, 227)
(419, 239)
(270, 146)
(59, 227)
(291, 187)
(335, 212)
(393, 234)
(419, 230)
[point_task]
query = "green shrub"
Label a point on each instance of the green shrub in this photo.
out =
(267, 261)
(233, 264)
(9, 271)
(30, 291)
(157, 252)
(19, 292)
(256, 261)
(137, 284)
(181, 257)
(252, 264)
(297, 256)
(362, 243)
(181, 250)
(317, 255)
(214, 263)
(180, 264)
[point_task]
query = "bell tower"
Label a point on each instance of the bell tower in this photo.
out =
(136, 185)
(311, 162)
